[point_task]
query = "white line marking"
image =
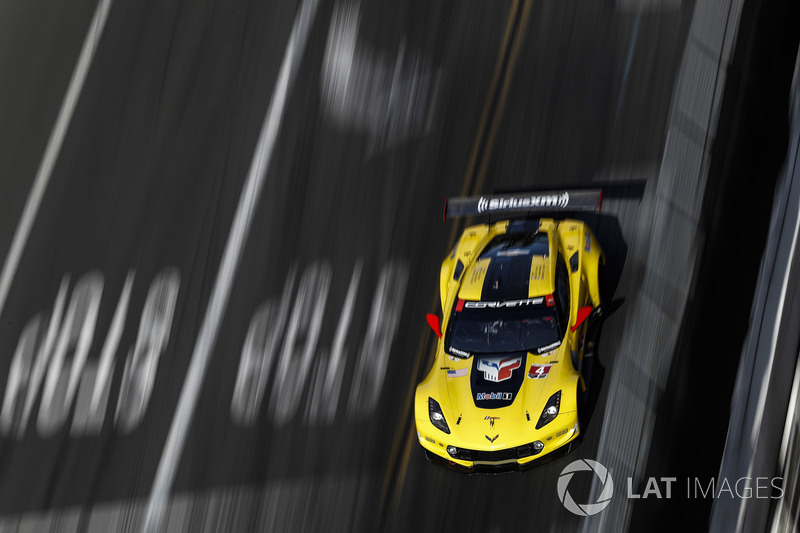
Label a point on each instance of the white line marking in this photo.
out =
(106, 365)
(230, 260)
(53, 148)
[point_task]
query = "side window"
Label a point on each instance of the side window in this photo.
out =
(562, 291)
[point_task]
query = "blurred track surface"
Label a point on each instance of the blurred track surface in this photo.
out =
(305, 405)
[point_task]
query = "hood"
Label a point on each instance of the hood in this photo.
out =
(512, 266)
(495, 380)
(491, 391)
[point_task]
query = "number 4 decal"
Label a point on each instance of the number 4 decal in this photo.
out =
(539, 371)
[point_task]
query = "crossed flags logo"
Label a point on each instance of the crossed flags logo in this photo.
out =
(498, 368)
(585, 509)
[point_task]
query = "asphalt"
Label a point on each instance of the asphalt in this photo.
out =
(458, 97)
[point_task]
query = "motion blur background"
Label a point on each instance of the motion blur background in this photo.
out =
(221, 229)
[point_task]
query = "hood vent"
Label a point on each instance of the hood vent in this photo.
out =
(537, 272)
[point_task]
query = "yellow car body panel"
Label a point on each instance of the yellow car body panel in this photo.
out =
(504, 434)
(473, 280)
(541, 280)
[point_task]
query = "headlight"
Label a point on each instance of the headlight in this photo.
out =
(550, 411)
(437, 418)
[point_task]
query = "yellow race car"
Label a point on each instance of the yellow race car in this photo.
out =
(520, 297)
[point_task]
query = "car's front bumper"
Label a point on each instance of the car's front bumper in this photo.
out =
(502, 468)
(499, 460)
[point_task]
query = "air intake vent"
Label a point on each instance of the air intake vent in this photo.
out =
(458, 270)
(537, 272)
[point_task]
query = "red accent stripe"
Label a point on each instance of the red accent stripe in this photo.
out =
(460, 305)
(550, 300)
(599, 200)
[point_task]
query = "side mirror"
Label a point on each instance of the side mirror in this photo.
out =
(601, 312)
(583, 314)
(605, 310)
(433, 322)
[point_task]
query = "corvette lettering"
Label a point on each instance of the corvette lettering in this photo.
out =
(525, 202)
(499, 305)
(494, 396)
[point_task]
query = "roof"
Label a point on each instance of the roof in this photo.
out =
(514, 265)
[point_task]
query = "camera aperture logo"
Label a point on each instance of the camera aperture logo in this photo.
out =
(585, 509)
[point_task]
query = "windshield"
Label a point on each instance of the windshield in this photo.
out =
(524, 329)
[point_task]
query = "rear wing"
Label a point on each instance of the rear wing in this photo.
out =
(526, 202)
